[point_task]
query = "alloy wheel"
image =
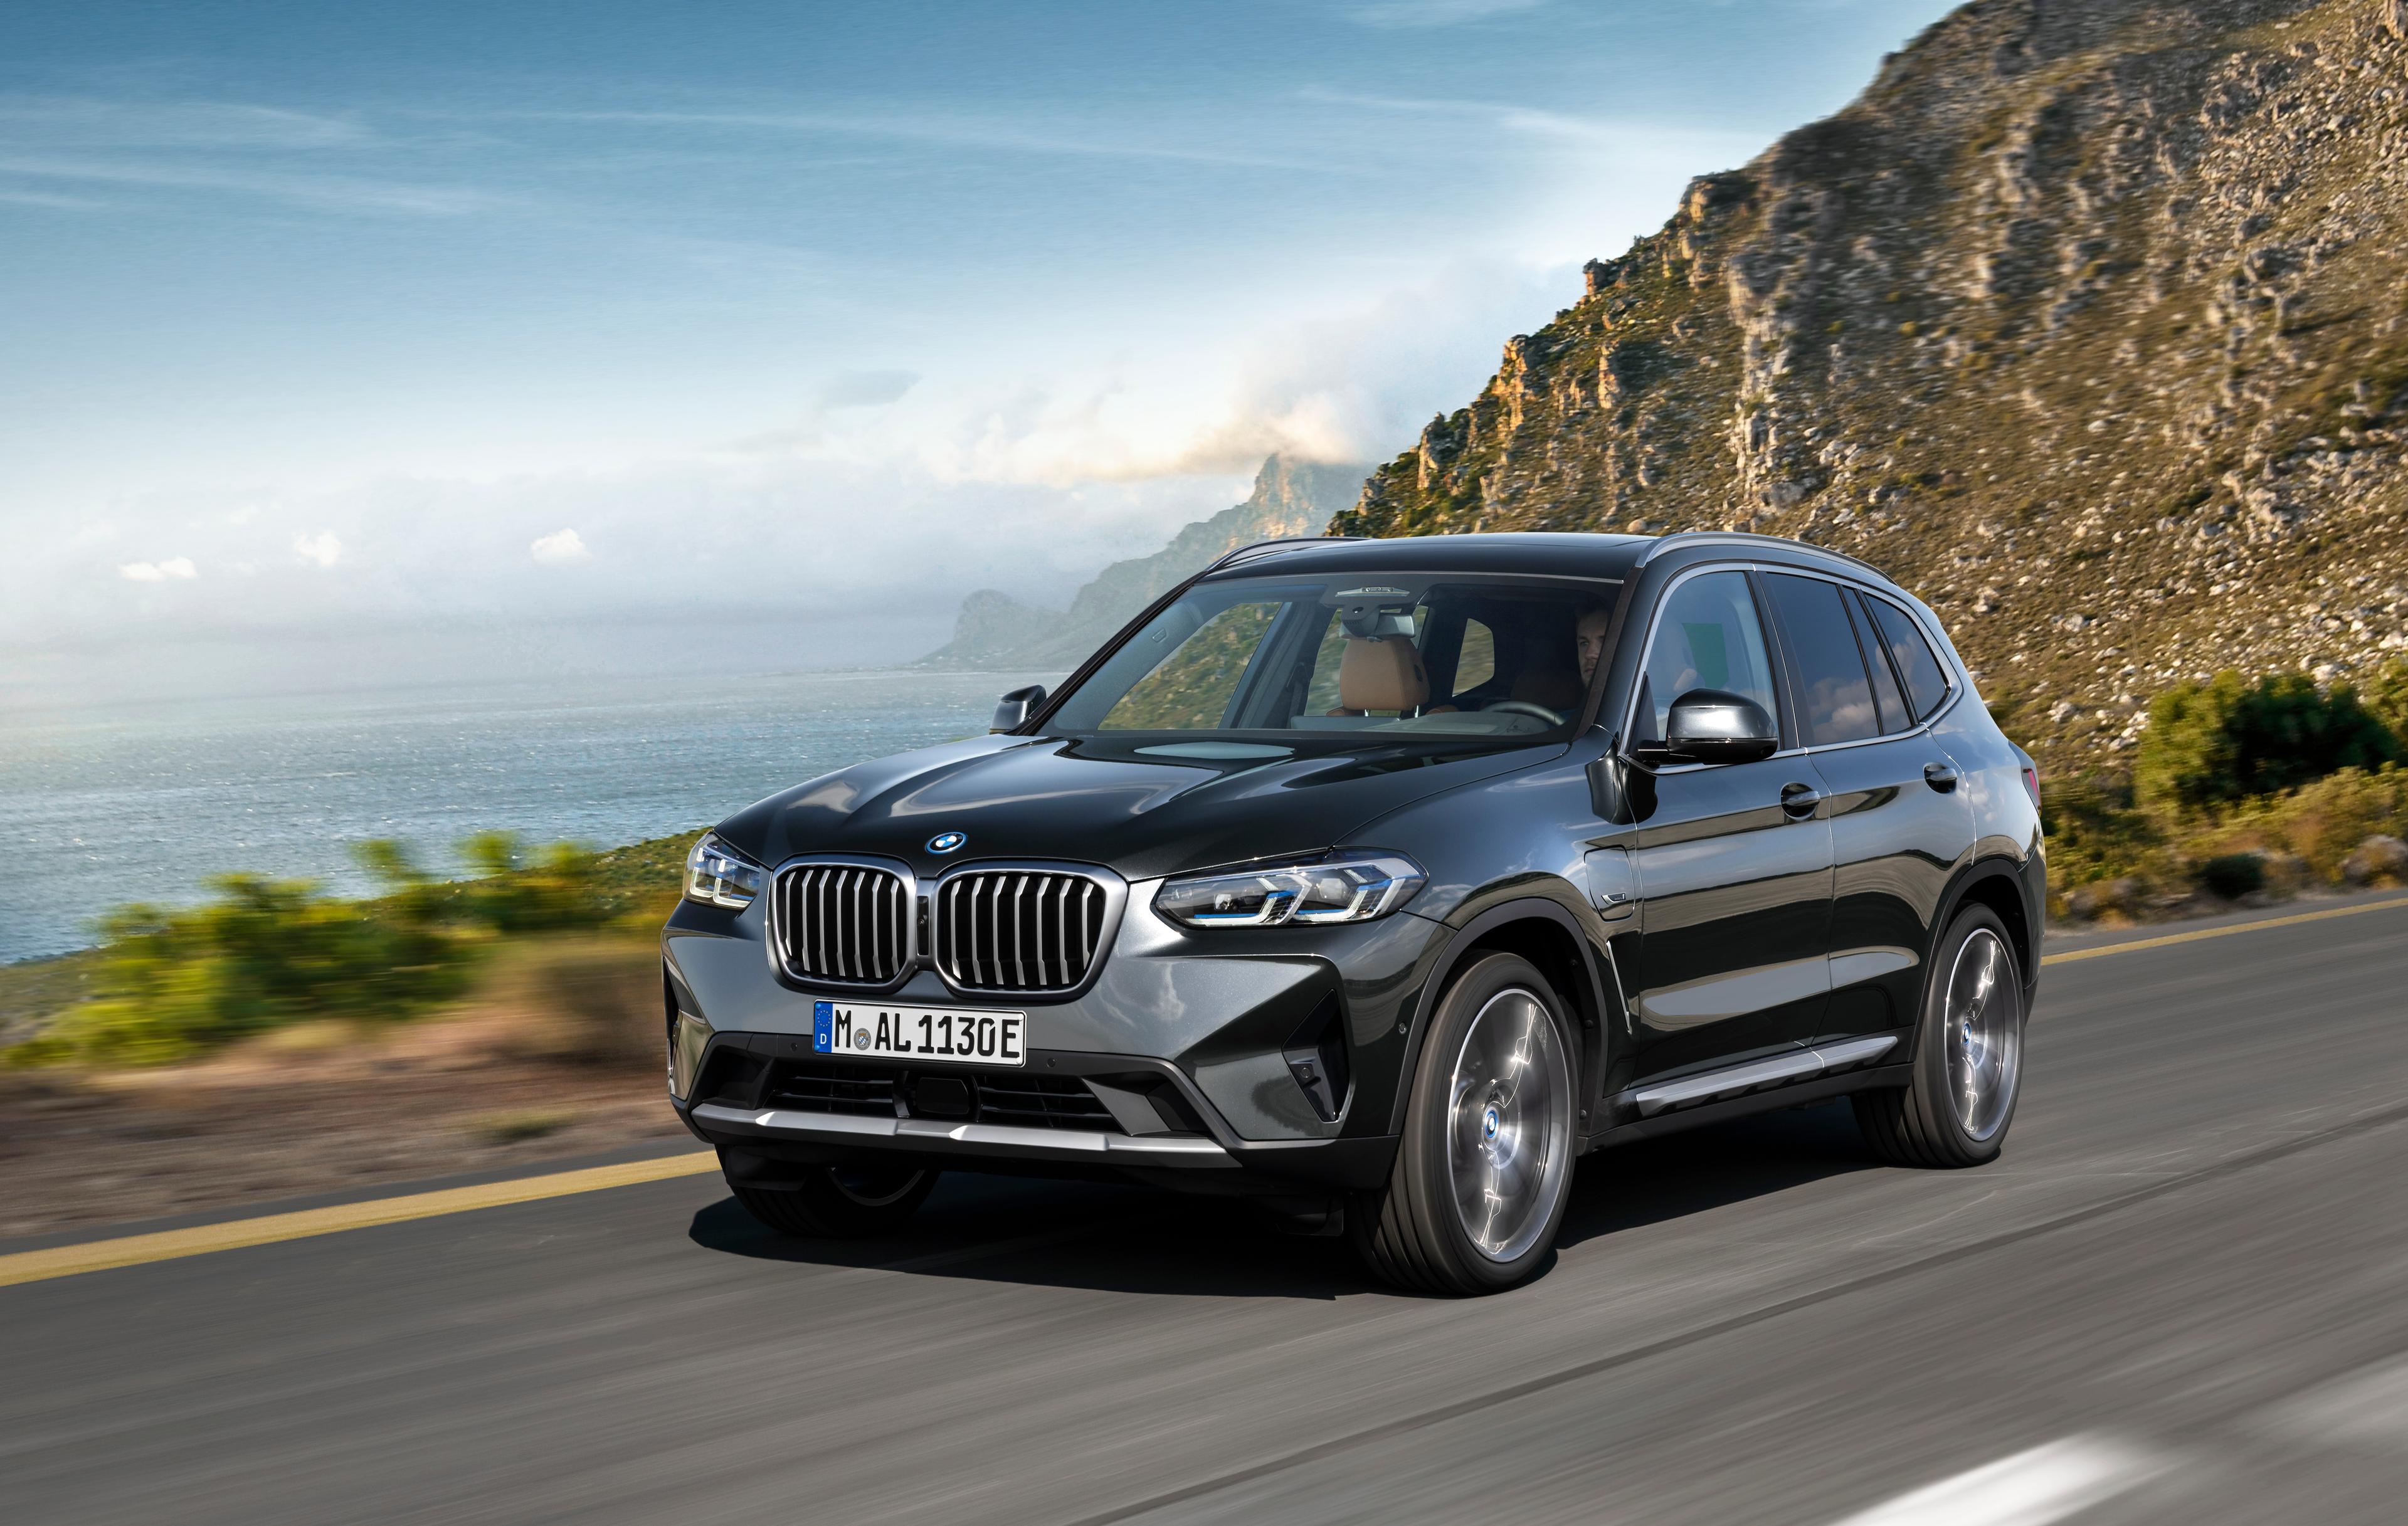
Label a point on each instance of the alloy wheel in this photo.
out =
(1982, 1032)
(1508, 1124)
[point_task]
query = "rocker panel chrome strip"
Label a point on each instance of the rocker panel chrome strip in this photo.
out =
(1758, 1075)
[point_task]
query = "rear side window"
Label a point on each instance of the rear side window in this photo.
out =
(1926, 681)
(1834, 696)
(1893, 713)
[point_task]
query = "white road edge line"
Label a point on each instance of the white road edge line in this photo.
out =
(2033, 1488)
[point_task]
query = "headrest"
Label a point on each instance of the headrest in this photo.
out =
(1385, 674)
(1556, 688)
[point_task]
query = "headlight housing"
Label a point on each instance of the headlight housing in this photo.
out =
(718, 876)
(1343, 888)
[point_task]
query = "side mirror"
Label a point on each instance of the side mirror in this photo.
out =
(1012, 711)
(1708, 726)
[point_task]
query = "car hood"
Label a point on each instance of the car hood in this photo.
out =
(1099, 801)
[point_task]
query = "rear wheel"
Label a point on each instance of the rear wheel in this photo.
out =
(839, 1202)
(1484, 1167)
(1968, 1068)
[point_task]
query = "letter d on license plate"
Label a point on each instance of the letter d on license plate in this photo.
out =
(946, 1036)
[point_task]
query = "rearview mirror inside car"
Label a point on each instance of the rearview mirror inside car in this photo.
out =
(1012, 711)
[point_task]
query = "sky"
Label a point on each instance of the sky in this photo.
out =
(347, 346)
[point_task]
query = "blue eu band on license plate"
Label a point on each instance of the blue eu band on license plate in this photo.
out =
(940, 1035)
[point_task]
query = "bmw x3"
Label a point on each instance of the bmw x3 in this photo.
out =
(1380, 881)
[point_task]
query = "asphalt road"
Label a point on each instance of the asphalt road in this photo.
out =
(2182, 1295)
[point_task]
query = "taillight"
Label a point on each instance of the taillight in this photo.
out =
(2031, 783)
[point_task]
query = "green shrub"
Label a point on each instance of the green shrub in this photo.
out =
(514, 893)
(2227, 740)
(2232, 875)
(265, 954)
(2095, 833)
(2387, 698)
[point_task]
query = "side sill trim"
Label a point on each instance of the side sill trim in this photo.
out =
(1758, 1075)
(970, 1137)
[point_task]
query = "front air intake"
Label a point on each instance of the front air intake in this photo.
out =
(846, 924)
(1016, 930)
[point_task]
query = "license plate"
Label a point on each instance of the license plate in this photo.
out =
(875, 1032)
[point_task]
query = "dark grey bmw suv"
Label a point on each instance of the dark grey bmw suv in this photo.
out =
(1379, 881)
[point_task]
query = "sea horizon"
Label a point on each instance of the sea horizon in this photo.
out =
(110, 804)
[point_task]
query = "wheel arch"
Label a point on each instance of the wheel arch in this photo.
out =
(1998, 883)
(1542, 930)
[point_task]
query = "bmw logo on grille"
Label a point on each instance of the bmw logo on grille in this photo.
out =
(946, 842)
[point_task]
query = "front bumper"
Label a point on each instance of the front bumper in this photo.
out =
(1206, 1025)
(1145, 1119)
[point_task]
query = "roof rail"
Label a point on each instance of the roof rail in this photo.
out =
(1264, 547)
(1741, 537)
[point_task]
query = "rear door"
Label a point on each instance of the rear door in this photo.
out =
(1900, 822)
(1733, 861)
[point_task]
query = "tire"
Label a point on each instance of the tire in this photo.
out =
(840, 1202)
(1494, 1100)
(1968, 1065)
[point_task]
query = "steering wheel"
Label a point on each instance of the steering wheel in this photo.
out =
(1523, 706)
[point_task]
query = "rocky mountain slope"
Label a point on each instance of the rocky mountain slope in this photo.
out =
(996, 632)
(2087, 321)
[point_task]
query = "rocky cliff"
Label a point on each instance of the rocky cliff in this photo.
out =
(996, 632)
(2087, 321)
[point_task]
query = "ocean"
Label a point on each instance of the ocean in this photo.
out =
(101, 807)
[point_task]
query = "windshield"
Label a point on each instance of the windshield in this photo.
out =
(1465, 657)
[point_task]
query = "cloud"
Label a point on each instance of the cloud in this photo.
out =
(561, 549)
(992, 135)
(865, 389)
(89, 122)
(176, 567)
(329, 192)
(1420, 14)
(323, 549)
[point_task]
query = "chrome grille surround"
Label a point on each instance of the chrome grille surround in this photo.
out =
(845, 921)
(1024, 928)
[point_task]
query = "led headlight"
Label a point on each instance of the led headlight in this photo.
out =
(1343, 888)
(718, 876)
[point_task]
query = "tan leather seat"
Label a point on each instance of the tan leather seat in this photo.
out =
(1385, 674)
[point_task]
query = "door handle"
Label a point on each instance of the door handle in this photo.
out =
(1940, 776)
(1799, 800)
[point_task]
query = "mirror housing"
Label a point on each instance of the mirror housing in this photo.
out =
(1710, 726)
(1012, 711)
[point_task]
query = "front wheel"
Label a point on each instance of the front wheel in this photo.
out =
(1485, 1165)
(1968, 1049)
(839, 1202)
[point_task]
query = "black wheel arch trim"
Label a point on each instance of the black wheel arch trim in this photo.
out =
(1594, 1008)
(1993, 869)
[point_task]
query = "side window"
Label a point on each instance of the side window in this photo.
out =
(1190, 690)
(1894, 714)
(1475, 662)
(1834, 696)
(1706, 637)
(1926, 681)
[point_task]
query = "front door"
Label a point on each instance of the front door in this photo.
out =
(1733, 861)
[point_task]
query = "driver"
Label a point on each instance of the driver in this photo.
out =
(1595, 622)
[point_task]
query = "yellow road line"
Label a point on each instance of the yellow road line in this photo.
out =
(166, 1244)
(2205, 932)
